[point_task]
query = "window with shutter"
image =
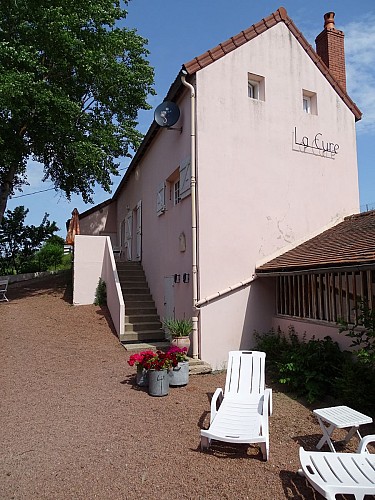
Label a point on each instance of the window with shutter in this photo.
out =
(185, 179)
(160, 199)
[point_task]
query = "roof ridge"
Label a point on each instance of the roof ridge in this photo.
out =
(280, 15)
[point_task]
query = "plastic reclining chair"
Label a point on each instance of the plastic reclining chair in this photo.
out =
(245, 405)
(3, 290)
(340, 473)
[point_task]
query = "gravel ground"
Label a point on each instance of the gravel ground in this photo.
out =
(74, 425)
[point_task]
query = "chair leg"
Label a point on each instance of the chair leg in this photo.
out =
(265, 451)
(205, 443)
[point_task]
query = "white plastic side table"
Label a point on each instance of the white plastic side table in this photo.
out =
(339, 417)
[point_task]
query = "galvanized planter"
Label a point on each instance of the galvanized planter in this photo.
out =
(179, 375)
(158, 382)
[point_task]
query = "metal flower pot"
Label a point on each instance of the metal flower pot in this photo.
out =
(179, 375)
(158, 382)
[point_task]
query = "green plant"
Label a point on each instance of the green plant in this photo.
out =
(101, 293)
(178, 327)
(309, 368)
(362, 332)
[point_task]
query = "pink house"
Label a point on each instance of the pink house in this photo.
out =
(262, 158)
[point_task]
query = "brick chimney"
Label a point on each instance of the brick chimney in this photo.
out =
(330, 47)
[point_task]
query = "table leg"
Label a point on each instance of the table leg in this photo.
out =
(326, 438)
(351, 433)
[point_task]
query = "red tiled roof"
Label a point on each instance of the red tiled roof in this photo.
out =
(349, 243)
(280, 15)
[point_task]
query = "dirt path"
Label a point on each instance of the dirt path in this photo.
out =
(74, 426)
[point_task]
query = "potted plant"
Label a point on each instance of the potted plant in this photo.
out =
(158, 367)
(179, 330)
(138, 359)
(179, 374)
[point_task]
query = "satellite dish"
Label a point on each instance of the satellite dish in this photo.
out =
(167, 114)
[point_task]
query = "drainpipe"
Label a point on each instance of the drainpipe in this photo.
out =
(194, 280)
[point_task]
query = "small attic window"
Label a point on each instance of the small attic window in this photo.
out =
(309, 102)
(255, 87)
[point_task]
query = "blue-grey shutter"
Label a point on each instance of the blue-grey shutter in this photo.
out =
(185, 178)
(160, 199)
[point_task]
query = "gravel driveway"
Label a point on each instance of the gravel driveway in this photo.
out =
(74, 426)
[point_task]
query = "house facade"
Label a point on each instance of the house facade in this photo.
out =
(262, 158)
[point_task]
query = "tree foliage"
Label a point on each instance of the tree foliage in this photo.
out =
(19, 242)
(71, 84)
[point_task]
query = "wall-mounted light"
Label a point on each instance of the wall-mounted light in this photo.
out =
(186, 277)
(177, 278)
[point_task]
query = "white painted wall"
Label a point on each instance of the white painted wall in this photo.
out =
(93, 259)
(161, 255)
(256, 193)
(101, 222)
(309, 329)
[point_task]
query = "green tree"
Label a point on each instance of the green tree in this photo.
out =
(50, 256)
(71, 84)
(18, 242)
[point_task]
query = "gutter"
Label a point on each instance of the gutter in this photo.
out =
(194, 279)
(241, 284)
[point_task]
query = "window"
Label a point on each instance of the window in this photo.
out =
(309, 102)
(306, 104)
(255, 87)
(176, 191)
(253, 90)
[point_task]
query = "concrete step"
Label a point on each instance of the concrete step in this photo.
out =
(143, 336)
(142, 318)
(143, 326)
(131, 298)
(134, 287)
(146, 346)
(198, 367)
(128, 266)
(137, 308)
(131, 278)
(131, 290)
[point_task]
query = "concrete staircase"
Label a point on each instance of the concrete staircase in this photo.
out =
(142, 323)
(143, 328)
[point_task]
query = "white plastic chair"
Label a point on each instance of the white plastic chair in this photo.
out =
(340, 473)
(245, 405)
(3, 290)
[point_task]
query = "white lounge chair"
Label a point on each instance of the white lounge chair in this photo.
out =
(340, 473)
(3, 290)
(245, 405)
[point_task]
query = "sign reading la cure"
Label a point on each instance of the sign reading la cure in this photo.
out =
(316, 143)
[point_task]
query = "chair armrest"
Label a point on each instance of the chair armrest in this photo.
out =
(217, 397)
(267, 402)
(364, 442)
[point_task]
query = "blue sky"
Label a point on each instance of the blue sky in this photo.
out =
(177, 31)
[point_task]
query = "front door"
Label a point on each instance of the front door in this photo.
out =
(128, 236)
(138, 231)
(168, 297)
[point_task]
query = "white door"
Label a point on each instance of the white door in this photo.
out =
(128, 236)
(168, 297)
(138, 231)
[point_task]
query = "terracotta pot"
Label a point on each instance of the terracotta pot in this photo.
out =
(181, 342)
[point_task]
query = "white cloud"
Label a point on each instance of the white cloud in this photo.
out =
(360, 68)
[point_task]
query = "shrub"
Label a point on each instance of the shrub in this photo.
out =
(101, 293)
(309, 368)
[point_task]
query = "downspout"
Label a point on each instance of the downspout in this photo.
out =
(194, 280)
